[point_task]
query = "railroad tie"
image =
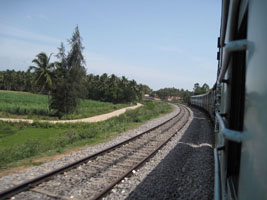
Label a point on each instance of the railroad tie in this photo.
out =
(47, 193)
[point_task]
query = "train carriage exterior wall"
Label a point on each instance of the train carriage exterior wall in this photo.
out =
(238, 102)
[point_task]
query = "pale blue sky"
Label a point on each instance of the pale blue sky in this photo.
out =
(161, 43)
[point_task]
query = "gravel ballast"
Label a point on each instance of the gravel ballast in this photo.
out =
(14, 179)
(183, 169)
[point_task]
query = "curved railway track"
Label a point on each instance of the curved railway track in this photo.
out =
(93, 176)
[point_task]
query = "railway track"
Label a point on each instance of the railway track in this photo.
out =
(93, 176)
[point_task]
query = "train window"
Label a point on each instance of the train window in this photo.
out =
(236, 112)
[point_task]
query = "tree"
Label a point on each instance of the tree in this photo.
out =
(59, 93)
(205, 88)
(201, 90)
(70, 77)
(197, 89)
(113, 85)
(114, 89)
(75, 65)
(186, 96)
(16, 80)
(8, 79)
(43, 71)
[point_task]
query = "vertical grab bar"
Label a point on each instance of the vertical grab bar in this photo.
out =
(217, 184)
(236, 45)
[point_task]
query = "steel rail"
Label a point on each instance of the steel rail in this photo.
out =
(138, 165)
(37, 180)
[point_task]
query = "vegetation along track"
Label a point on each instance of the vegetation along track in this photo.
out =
(95, 175)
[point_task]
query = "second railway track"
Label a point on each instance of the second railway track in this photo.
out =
(93, 176)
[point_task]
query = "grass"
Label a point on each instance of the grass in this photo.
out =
(20, 143)
(35, 106)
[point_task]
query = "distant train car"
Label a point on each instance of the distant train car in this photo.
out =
(240, 102)
(204, 101)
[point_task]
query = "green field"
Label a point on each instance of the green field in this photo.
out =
(21, 143)
(35, 106)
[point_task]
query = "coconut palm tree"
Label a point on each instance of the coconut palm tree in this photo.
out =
(44, 71)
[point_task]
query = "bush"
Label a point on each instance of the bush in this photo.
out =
(26, 150)
(56, 137)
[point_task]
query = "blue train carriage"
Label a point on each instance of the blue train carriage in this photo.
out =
(241, 117)
(240, 102)
(205, 102)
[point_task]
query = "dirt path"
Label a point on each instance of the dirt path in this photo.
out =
(97, 118)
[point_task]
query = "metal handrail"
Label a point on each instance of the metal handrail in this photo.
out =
(229, 134)
(217, 178)
(237, 45)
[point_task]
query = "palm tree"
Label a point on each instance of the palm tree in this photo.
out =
(43, 71)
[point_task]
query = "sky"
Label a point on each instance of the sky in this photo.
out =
(161, 43)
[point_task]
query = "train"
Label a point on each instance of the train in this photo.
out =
(238, 102)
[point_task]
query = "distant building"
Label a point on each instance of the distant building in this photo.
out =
(174, 98)
(148, 97)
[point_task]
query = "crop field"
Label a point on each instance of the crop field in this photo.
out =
(35, 106)
(22, 143)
